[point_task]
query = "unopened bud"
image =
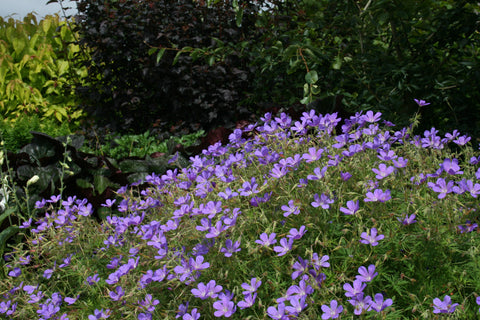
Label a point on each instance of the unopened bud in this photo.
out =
(32, 180)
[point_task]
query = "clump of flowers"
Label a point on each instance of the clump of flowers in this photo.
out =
(317, 217)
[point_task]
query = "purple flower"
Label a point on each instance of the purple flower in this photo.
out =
(421, 103)
(356, 289)
(109, 203)
(201, 291)
(333, 311)
(26, 224)
(408, 219)
(278, 171)
(34, 298)
(300, 267)
(290, 209)
(149, 304)
(468, 227)
(441, 187)
(70, 301)
(379, 304)
(478, 302)
(92, 279)
(118, 294)
(228, 194)
(473, 189)
(400, 162)
(303, 289)
(360, 303)
(194, 315)
(323, 201)
(284, 247)
(432, 140)
(15, 272)
(378, 195)
(386, 155)
(99, 314)
(352, 207)
(230, 248)
(252, 287)
(54, 199)
(383, 171)
(313, 155)
(266, 240)
(317, 263)
(371, 239)
(198, 263)
(214, 232)
(249, 188)
(461, 141)
(319, 174)
(366, 275)
(444, 306)
(297, 305)
(371, 117)
(224, 308)
(275, 313)
(144, 316)
(345, 176)
(48, 310)
(47, 274)
(297, 234)
(451, 166)
(248, 301)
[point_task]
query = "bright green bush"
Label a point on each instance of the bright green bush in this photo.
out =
(16, 134)
(36, 71)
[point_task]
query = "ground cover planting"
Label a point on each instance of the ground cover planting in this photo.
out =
(316, 218)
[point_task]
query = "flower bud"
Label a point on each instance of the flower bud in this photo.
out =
(32, 180)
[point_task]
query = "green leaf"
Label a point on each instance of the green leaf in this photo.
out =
(177, 56)
(4, 236)
(18, 44)
(46, 23)
(311, 77)
(211, 60)
(151, 51)
(337, 64)
(7, 213)
(62, 66)
(160, 54)
(101, 183)
(84, 184)
(239, 18)
(130, 166)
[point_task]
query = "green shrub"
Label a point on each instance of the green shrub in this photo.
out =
(16, 134)
(36, 71)
(140, 145)
(373, 55)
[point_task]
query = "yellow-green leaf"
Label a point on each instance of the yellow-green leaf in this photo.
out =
(62, 66)
(46, 23)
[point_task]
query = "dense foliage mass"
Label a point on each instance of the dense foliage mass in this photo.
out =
(131, 89)
(374, 55)
(289, 220)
